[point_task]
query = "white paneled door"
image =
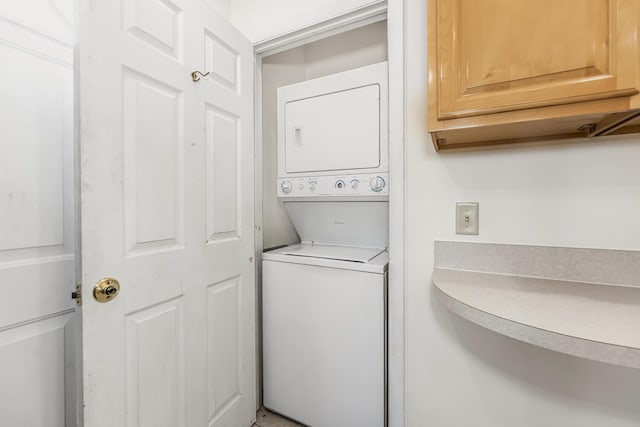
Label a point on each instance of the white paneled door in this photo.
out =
(166, 184)
(36, 213)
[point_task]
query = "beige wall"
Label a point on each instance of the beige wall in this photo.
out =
(585, 194)
(357, 48)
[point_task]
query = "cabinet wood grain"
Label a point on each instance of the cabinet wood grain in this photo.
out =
(545, 68)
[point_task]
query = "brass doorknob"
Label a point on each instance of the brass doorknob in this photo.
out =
(106, 289)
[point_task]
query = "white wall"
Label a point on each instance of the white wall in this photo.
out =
(222, 7)
(585, 194)
(36, 213)
(54, 18)
(261, 20)
(278, 70)
(356, 48)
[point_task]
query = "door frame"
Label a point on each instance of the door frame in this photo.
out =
(393, 12)
(257, 206)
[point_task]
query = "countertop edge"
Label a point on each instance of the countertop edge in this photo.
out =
(575, 346)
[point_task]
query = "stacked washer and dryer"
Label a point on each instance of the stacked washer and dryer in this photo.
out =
(324, 299)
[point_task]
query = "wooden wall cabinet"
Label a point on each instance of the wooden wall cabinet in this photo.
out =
(503, 71)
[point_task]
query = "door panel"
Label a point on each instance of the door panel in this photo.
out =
(223, 191)
(505, 55)
(36, 214)
(157, 22)
(167, 209)
(155, 343)
(32, 389)
(224, 319)
(153, 144)
(528, 49)
(222, 61)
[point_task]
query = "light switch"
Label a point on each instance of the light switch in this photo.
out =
(467, 221)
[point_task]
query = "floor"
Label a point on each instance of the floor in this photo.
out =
(269, 419)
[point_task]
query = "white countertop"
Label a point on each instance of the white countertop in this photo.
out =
(595, 321)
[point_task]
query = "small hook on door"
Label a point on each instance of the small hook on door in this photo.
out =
(196, 75)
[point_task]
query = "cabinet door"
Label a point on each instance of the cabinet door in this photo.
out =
(498, 56)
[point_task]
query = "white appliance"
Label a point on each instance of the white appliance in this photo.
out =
(333, 135)
(324, 300)
(324, 334)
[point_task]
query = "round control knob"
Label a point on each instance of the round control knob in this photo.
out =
(340, 184)
(377, 184)
(355, 184)
(313, 185)
(286, 187)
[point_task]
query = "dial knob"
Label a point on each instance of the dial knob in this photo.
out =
(313, 185)
(340, 184)
(355, 184)
(377, 184)
(286, 187)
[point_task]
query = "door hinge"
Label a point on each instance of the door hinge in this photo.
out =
(77, 295)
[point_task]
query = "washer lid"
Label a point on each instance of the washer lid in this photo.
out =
(343, 253)
(353, 223)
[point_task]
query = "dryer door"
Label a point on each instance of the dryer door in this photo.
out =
(333, 132)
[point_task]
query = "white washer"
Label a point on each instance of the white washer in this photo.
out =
(324, 328)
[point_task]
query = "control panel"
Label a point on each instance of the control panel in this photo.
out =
(376, 184)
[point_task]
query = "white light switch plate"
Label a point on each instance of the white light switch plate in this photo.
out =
(467, 220)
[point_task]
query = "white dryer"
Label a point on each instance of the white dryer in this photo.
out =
(333, 136)
(324, 300)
